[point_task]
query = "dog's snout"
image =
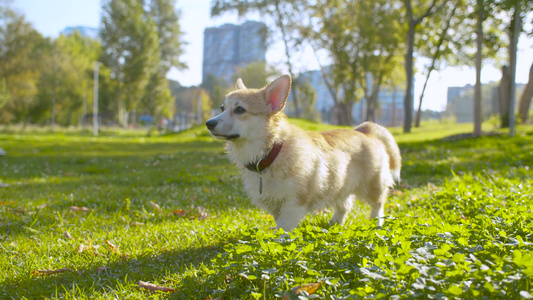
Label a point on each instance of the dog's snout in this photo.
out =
(211, 124)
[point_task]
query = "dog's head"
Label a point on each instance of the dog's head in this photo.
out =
(246, 111)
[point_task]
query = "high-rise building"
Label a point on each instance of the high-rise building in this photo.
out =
(461, 101)
(230, 46)
(83, 30)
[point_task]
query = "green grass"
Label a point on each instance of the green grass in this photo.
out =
(460, 224)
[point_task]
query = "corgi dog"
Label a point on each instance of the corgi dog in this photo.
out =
(289, 172)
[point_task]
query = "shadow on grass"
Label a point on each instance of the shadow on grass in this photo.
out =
(122, 275)
(438, 160)
(195, 172)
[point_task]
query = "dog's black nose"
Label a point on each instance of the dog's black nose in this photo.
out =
(211, 124)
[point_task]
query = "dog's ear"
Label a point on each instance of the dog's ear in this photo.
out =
(277, 93)
(240, 85)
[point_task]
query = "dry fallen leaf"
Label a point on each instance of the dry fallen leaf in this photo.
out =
(114, 248)
(137, 224)
(102, 269)
(154, 287)
(155, 205)
(310, 288)
(179, 212)
(88, 247)
(42, 206)
(67, 235)
(47, 272)
(77, 208)
(202, 212)
(406, 186)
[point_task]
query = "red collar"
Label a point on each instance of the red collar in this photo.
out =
(264, 163)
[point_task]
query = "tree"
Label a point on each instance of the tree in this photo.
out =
(194, 105)
(381, 31)
(364, 45)
(157, 99)
(309, 97)
(283, 13)
(20, 59)
(166, 18)
(338, 34)
(437, 43)
(256, 75)
(217, 88)
(525, 99)
(131, 50)
(477, 89)
(518, 10)
(4, 93)
(476, 37)
(66, 79)
(414, 17)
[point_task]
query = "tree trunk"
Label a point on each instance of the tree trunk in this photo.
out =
(419, 111)
(347, 110)
(433, 62)
(370, 109)
(53, 117)
(343, 114)
(408, 101)
(413, 22)
(503, 97)
(477, 91)
(525, 99)
(516, 28)
(373, 99)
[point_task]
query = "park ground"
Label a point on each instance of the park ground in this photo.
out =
(90, 217)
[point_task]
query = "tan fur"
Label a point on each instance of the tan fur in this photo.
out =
(313, 170)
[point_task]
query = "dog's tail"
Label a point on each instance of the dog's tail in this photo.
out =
(383, 135)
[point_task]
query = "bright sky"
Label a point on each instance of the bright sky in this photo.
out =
(52, 16)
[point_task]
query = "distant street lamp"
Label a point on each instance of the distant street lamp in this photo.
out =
(95, 107)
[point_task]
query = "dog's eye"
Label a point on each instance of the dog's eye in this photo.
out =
(222, 108)
(239, 110)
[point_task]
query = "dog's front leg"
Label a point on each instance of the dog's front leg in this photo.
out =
(290, 214)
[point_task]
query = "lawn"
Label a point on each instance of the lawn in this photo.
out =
(111, 211)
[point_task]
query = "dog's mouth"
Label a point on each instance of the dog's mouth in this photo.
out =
(227, 137)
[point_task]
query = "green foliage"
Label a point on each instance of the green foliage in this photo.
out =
(43, 80)
(66, 79)
(141, 45)
(4, 93)
(157, 100)
(309, 97)
(217, 88)
(20, 61)
(459, 226)
(166, 19)
(282, 14)
(256, 75)
(364, 40)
